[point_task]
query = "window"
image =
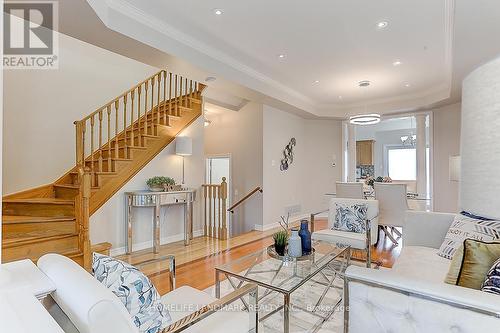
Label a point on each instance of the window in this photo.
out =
(402, 163)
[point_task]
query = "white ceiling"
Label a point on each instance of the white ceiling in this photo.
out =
(333, 41)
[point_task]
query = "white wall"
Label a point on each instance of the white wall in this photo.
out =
(446, 135)
(323, 142)
(107, 224)
(239, 133)
(41, 105)
(480, 144)
(282, 189)
(302, 187)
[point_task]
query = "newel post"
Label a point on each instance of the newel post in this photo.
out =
(84, 215)
(223, 197)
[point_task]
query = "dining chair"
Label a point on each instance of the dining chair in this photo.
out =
(393, 205)
(350, 190)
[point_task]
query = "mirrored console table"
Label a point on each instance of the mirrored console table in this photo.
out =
(156, 200)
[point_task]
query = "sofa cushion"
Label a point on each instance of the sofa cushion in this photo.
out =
(422, 262)
(477, 261)
(186, 300)
(464, 227)
(492, 282)
(350, 217)
(344, 238)
(456, 264)
(135, 291)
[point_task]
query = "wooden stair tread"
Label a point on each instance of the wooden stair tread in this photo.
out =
(53, 201)
(29, 237)
(11, 219)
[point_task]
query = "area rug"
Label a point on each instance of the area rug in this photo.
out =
(306, 297)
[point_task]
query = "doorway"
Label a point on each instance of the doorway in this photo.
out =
(217, 167)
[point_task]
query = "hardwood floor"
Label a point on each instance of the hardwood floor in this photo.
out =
(196, 262)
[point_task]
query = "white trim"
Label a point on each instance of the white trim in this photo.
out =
(149, 244)
(266, 227)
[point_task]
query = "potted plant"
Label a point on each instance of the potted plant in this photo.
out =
(158, 183)
(280, 240)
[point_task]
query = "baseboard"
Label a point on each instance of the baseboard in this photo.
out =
(146, 245)
(295, 219)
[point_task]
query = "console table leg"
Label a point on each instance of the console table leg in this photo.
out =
(128, 219)
(156, 228)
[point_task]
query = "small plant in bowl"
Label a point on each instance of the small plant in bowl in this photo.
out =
(158, 183)
(280, 240)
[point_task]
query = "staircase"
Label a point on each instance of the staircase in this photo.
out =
(112, 144)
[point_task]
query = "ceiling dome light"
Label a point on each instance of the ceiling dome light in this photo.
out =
(382, 24)
(218, 11)
(281, 56)
(364, 83)
(316, 81)
(407, 85)
(210, 79)
(365, 119)
(397, 63)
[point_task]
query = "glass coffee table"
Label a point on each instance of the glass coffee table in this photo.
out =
(277, 277)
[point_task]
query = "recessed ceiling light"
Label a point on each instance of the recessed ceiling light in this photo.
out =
(210, 79)
(382, 24)
(397, 63)
(407, 85)
(218, 11)
(281, 56)
(316, 81)
(340, 96)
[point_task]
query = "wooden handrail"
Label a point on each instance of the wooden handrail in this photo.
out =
(104, 135)
(109, 134)
(231, 209)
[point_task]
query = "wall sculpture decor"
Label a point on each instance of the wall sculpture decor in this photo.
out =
(288, 155)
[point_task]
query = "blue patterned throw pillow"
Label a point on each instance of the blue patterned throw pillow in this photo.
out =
(350, 218)
(135, 290)
(492, 282)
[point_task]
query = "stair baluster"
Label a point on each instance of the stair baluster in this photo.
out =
(146, 88)
(132, 97)
(152, 123)
(117, 104)
(158, 100)
(92, 122)
(109, 135)
(100, 142)
(125, 131)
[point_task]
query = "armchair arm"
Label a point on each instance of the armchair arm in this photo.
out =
(401, 299)
(426, 228)
(213, 307)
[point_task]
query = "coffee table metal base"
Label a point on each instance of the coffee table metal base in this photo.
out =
(336, 272)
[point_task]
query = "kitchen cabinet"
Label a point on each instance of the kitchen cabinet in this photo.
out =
(364, 152)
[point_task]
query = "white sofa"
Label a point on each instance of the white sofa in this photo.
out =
(89, 307)
(412, 296)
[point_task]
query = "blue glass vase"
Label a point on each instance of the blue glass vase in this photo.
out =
(305, 236)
